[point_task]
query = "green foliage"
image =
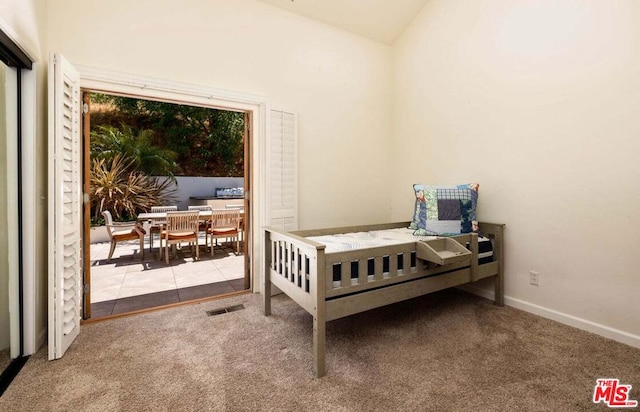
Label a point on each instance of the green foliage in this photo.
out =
(208, 142)
(125, 192)
(108, 141)
(132, 139)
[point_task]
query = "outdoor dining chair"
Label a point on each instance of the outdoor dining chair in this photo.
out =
(180, 227)
(120, 232)
(156, 224)
(225, 223)
(205, 222)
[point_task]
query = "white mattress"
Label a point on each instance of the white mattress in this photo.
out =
(359, 240)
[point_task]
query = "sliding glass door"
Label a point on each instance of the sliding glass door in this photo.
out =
(5, 314)
(14, 63)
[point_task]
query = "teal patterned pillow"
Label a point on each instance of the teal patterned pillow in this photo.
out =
(445, 210)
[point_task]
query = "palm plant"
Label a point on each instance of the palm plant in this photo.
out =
(109, 141)
(117, 187)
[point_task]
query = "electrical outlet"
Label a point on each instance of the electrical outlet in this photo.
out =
(534, 278)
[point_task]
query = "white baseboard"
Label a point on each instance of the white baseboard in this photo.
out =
(566, 319)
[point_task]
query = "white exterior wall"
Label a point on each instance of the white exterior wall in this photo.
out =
(538, 102)
(188, 186)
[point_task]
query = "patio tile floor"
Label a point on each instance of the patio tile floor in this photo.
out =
(127, 283)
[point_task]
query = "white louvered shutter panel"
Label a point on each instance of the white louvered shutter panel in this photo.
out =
(282, 171)
(65, 202)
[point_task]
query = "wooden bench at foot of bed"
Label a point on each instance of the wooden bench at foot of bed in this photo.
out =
(304, 271)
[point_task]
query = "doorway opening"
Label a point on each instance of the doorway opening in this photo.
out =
(189, 157)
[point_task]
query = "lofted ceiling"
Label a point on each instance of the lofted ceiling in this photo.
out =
(378, 20)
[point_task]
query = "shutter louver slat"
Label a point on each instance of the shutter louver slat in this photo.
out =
(68, 327)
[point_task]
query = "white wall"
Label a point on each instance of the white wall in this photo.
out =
(338, 83)
(538, 102)
(24, 20)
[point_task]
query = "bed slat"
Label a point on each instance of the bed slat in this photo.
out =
(393, 265)
(363, 269)
(345, 274)
(378, 266)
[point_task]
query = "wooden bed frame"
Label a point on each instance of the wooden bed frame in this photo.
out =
(302, 269)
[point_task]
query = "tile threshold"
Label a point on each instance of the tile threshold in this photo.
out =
(158, 300)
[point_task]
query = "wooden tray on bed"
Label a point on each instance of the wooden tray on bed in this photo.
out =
(442, 251)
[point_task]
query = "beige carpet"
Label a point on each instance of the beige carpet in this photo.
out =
(448, 351)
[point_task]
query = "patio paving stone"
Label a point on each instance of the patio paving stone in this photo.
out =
(115, 284)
